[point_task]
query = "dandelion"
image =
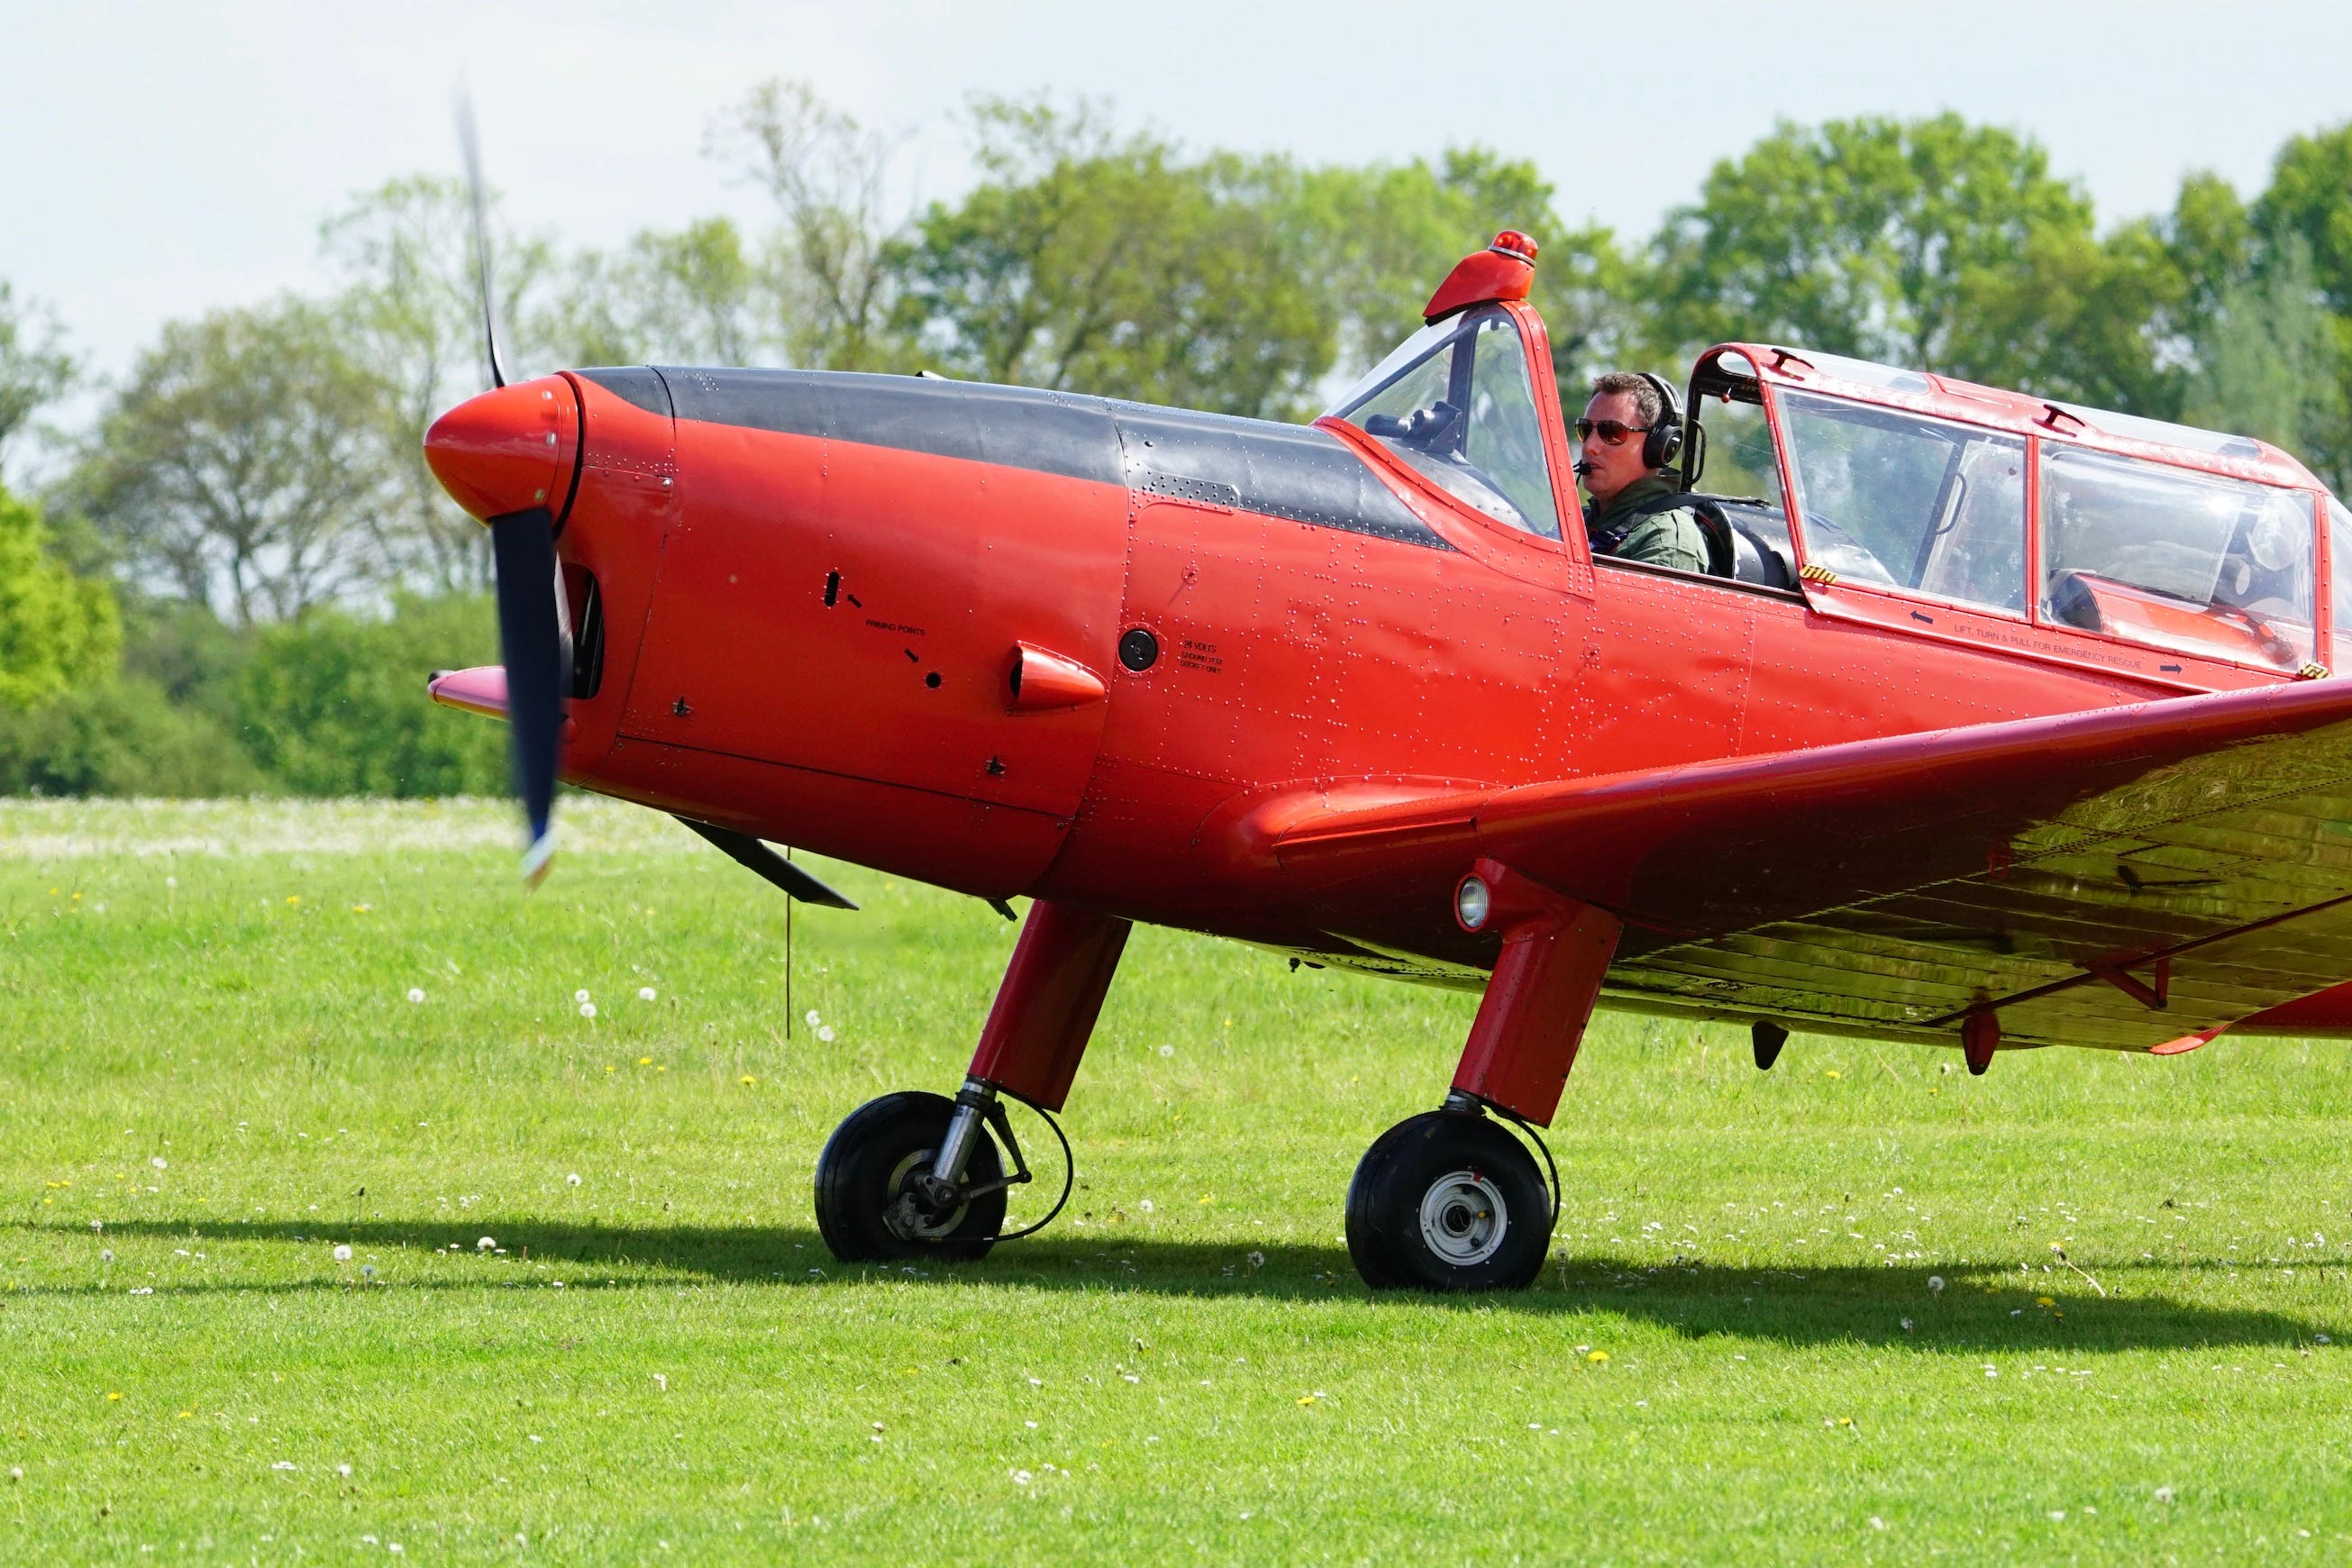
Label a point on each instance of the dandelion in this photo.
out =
(811, 1019)
(2044, 1301)
(94, 1225)
(1257, 1260)
(2321, 1339)
(342, 1470)
(1936, 1283)
(417, 993)
(1022, 1477)
(1907, 1325)
(160, 1163)
(1991, 1370)
(1309, 1398)
(112, 1397)
(645, 992)
(2164, 1494)
(360, 909)
(106, 1255)
(291, 898)
(488, 1244)
(580, 995)
(367, 1270)
(1145, 1206)
(824, 1033)
(661, 1381)
(343, 1254)
(747, 1081)
(283, 1465)
(587, 1009)
(168, 881)
(1598, 1358)
(1166, 1050)
(645, 1061)
(144, 1290)
(2057, 1516)
(573, 1180)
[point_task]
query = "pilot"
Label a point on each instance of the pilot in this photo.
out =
(1630, 433)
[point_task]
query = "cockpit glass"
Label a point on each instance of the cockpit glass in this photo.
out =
(1456, 401)
(1904, 501)
(2184, 560)
(2339, 551)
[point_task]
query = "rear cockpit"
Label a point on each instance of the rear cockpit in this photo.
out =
(1995, 504)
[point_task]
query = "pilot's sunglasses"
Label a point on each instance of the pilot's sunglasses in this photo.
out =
(1611, 432)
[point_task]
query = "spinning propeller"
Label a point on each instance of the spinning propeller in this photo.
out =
(505, 435)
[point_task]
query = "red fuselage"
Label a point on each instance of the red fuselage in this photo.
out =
(813, 586)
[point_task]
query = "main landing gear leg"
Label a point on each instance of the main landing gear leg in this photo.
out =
(1449, 1200)
(916, 1175)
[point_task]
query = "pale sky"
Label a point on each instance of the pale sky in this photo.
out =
(162, 160)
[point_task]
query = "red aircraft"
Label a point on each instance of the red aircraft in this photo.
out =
(1998, 722)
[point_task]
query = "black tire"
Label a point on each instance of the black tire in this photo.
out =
(868, 1163)
(1448, 1201)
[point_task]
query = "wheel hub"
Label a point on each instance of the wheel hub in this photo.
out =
(908, 1215)
(1463, 1218)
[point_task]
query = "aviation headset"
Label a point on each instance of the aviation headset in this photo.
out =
(1664, 444)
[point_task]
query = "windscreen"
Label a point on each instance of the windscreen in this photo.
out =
(1456, 401)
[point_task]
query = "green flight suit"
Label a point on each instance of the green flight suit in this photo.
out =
(1670, 538)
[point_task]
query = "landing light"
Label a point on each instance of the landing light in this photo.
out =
(1471, 903)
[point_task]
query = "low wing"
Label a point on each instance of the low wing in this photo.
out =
(2042, 866)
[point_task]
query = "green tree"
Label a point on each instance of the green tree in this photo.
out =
(57, 631)
(1091, 261)
(1380, 238)
(2265, 362)
(121, 738)
(408, 320)
(696, 296)
(2305, 220)
(2078, 316)
(1856, 236)
(34, 366)
(334, 704)
(239, 465)
(828, 272)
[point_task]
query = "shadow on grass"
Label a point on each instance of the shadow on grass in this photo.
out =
(1981, 1309)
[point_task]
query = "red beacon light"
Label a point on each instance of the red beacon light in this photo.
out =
(1504, 270)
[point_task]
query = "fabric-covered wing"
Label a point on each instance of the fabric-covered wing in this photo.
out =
(2041, 868)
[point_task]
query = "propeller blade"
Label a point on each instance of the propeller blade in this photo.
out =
(531, 639)
(470, 145)
(753, 856)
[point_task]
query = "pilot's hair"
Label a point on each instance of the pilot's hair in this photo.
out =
(1648, 406)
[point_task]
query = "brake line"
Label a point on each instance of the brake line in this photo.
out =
(1528, 1130)
(1069, 1161)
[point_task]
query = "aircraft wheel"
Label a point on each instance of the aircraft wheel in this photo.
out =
(1448, 1201)
(866, 1209)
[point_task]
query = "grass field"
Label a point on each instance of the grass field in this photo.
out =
(211, 1075)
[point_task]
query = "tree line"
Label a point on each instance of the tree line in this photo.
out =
(214, 568)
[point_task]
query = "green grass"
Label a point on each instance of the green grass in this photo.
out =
(663, 1364)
